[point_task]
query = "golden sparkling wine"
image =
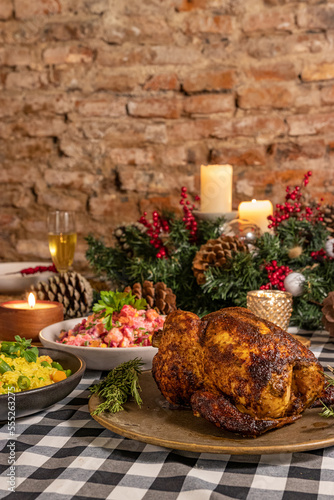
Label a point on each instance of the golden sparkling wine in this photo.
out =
(62, 248)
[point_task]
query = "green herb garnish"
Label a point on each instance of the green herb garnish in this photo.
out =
(20, 349)
(327, 411)
(120, 383)
(329, 380)
(111, 302)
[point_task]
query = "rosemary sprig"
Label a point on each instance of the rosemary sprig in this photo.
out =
(120, 383)
(327, 411)
(329, 380)
(330, 368)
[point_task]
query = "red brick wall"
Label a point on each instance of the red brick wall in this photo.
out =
(108, 107)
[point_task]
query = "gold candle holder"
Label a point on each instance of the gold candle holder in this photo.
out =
(273, 305)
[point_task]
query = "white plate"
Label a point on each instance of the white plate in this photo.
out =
(16, 282)
(96, 358)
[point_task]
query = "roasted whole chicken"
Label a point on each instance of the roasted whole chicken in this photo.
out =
(240, 372)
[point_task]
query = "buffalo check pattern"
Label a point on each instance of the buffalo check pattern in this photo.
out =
(63, 453)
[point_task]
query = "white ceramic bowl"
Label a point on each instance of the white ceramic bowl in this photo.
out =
(96, 358)
(12, 281)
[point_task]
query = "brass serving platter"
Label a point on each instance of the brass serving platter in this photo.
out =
(155, 423)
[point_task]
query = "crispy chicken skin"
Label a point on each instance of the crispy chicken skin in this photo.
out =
(221, 412)
(242, 373)
(178, 365)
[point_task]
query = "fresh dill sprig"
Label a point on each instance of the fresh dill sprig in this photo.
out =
(120, 383)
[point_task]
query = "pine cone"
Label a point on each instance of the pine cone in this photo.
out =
(328, 313)
(120, 235)
(70, 289)
(157, 295)
(328, 215)
(216, 253)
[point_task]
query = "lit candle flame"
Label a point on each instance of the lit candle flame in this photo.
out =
(31, 300)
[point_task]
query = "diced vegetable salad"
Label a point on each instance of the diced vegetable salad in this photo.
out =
(129, 327)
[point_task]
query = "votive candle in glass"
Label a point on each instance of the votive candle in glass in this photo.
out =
(272, 305)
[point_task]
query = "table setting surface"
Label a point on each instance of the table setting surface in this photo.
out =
(63, 453)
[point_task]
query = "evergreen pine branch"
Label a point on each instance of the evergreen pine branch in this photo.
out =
(138, 241)
(316, 288)
(175, 272)
(208, 229)
(108, 261)
(293, 232)
(224, 286)
(305, 314)
(231, 284)
(178, 238)
(327, 271)
(268, 248)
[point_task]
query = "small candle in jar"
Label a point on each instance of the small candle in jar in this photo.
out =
(216, 188)
(26, 307)
(272, 305)
(257, 212)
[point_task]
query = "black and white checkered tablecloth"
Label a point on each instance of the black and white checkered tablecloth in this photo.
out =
(63, 453)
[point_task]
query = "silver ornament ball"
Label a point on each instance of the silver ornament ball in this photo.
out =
(329, 247)
(294, 284)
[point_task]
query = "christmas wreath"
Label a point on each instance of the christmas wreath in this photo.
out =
(209, 265)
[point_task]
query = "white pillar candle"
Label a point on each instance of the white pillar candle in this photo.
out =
(216, 188)
(257, 212)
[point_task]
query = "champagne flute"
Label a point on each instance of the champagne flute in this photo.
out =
(62, 238)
